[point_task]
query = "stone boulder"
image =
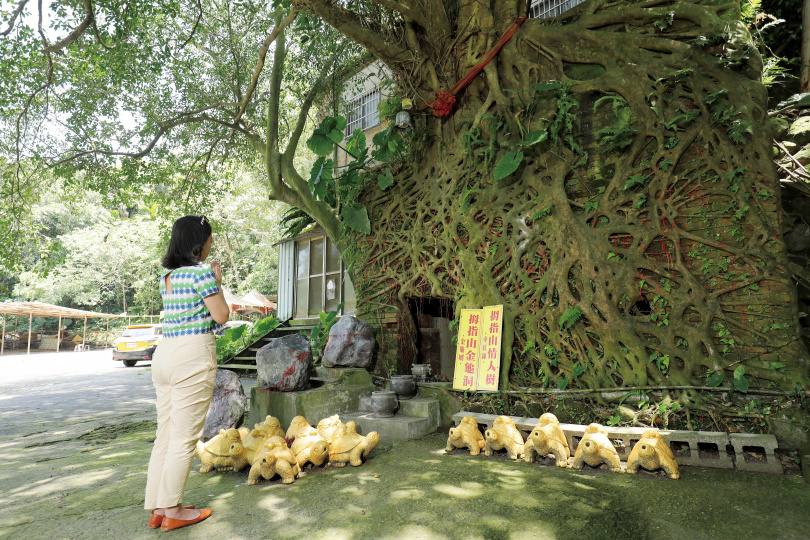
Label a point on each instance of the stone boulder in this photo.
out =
(350, 344)
(799, 131)
(284, 363)
(798, 239)
(228, 404)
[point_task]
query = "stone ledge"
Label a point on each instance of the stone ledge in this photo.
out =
(692, 448)
(396, 428)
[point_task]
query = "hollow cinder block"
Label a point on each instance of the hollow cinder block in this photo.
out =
(755, 453)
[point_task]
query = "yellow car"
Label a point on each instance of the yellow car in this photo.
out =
(137, 342)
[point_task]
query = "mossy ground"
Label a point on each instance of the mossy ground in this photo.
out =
(73, 489)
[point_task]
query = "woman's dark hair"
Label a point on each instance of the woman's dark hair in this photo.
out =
(189, 234)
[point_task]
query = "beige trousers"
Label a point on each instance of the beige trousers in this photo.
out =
(183, 371)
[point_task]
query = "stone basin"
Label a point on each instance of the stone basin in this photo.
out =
(332, 391)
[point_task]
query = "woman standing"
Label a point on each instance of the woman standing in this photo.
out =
(183, 369)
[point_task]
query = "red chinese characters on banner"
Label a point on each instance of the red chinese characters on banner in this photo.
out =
(489, 363)
(478, 355)
(468, 350)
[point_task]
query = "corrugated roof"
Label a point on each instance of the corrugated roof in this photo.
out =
(41, 309)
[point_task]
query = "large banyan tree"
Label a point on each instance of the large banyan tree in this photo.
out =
(607, 177)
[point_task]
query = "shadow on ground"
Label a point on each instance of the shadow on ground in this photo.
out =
(91, 486)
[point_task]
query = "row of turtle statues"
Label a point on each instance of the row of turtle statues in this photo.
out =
(269, 451)
(651, 452)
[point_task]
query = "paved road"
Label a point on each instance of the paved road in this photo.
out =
(62, 395)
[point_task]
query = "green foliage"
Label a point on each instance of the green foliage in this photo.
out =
(320, 332)
(294, 222)
(561, 128)
(570, 317)
(328, 133)
(622, 133)
(237, 339)
(740, 382)
(385, 179)
(534, 137)
(355, 216)
(545, 212)
(388, 108)
(634, 181)
(715, 380)
(508, 164)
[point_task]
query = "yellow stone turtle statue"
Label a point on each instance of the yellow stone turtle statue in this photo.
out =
(331, 427)
(310, 448)
(216, 453)
(595, 448)
(269, 427)
(547, 438)
(274, 459)
(504, 435)
(351, 447)
(651, 452)
(466, 435)
(299, 427)
(244, 453)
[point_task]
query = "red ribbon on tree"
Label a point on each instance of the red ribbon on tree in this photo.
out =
(445, 100)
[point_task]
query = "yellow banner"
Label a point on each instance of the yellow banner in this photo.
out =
(489, 360)
(467, 350)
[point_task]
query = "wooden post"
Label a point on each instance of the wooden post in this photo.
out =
(59, 333)
(3, 344)
(30, 319)
(84, 334)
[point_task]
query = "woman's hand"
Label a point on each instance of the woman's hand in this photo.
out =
(217, 270)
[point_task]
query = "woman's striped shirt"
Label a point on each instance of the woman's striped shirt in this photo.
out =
(185, 312)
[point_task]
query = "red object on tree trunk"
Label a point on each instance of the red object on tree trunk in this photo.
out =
(443, 104)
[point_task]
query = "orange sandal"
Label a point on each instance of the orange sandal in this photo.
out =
(171, 523)
(155, 520)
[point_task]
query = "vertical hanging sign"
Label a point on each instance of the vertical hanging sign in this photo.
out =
(489, 361)
(467, 351)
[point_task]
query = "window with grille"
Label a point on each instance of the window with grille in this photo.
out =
(543, 9)
(362, 112)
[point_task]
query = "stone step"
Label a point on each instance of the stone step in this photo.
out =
(396, 428)
(415, 417)
(251, 367)
(745, 452)
(419, 407)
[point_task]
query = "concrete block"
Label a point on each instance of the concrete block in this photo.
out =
(421, 407)
(755, 453)
(314, 404)
(397, 428)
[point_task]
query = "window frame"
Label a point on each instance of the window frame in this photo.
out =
(324, 275)
(355, 106)
(544, 9)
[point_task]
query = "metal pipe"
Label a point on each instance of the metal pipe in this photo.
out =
(30, 319)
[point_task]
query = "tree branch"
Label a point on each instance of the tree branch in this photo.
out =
(300, 123)
(194, 29)
(349, 24)
(406, 10)
(13, 18)
(260, 64)
(79, 30)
